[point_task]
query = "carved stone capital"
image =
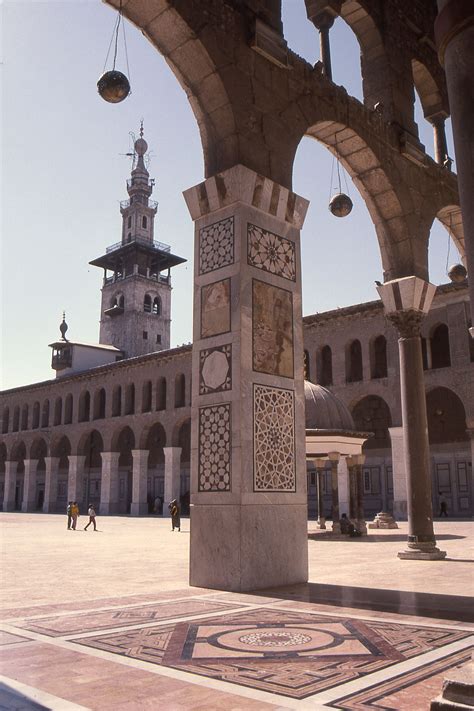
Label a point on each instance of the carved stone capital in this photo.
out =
(408, 323)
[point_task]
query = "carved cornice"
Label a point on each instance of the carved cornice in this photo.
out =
(408, 323)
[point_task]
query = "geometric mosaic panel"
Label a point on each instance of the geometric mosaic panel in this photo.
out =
(295, 654)
(215, 448)
(216, 246)
(274, 439)
(270, 252)
(215, 369)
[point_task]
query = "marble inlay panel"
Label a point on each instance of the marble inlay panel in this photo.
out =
(215, 448)
(216, 246)
(215, 374)
(270, 252)
(272, 329)
(293, 654)
(215, 308)
(274, 439)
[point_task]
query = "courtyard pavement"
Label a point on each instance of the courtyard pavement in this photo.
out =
(106, 620)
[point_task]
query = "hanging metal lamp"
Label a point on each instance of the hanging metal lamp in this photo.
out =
(457, 273)
(340, 205)
(114, 86)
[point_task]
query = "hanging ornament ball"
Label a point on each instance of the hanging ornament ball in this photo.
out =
(457, 273)
(113, 87)
(340, 205)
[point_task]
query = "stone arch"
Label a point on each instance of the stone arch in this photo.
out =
(24, 416)
(3, 458)
(354, 364)
(180, 390)
(129, 400)
(372, 414)
(84, 406)
(426, 87)
(117, 401)
(61, 448)
(181, 437)
(45, 413)
(100, 400)
(35, 422)
(451, 218)
(58, 411)
(90, 445)
(147, 396)
(154, 439)
(439, 344)
(38, 449)
(5, 420)
(123, 441)
(18, 455)
(161, 393)
(324, 366)
(18, 451)
(68, 409)
(446, 416)
(16, 419)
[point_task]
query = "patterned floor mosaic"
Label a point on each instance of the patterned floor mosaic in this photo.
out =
(294, 654)
(85, 622)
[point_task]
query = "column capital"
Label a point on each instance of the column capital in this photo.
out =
(407, 323)
(243, 185)
(406, 301)
(140, 455)
(109, 457)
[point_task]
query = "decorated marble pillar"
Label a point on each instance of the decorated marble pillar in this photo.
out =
(75, 483)
(320, 467)
(109, 488)
(139, 506)
(406, 301)
(343, 485)
(51, 484)
(29, 486)
(352, 489)
(334, 459)
(399, 475)
(172, 477)
(248, 473)
(10, 485)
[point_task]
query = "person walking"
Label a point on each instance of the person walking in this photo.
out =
(91, 513)
(175, 518)
(443, 505)
(69, 515)
(74, 514)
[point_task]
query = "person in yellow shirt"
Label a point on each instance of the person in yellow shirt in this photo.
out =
(74, 514)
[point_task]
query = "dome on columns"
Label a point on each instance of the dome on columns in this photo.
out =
(324, 411)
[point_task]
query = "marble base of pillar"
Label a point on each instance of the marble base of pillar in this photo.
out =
(248, 547)
(336, 527)
(383, 520)
(422, 550)
(321, 523)
(458, 690)
(138, 509)
(361, 526)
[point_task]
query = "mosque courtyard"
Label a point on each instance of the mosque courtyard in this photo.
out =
(107, 620)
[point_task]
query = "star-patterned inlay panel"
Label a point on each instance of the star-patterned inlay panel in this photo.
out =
(270, 252)
(216, 246)
(215, 448)
(274, 439)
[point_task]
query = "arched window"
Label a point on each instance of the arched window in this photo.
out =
(99, 404)
(147, 304)
(36, 416)
(129, 221)
(440, 355)
(179, 390)
(130, 400)
(45, 414)
(84, 407)
(117, 401)
(144, 222)
(146, 396)
(58, 411)
(121, 301)
(5, 420)
(161, 394)
(306, 369)
(379, 358)
(156, 306)
(68, 410)
(446, 417)
(354, 371)
(16, 419)
(325, 366)
(24, 417)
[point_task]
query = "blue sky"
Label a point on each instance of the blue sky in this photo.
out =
(64, 175)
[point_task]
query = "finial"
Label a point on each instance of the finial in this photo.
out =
(63, 327)
(141, 128)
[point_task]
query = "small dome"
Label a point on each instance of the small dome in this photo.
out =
(324, 411)
(141, 146)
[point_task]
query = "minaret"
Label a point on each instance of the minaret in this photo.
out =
(136, 292)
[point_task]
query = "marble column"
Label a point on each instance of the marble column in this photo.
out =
(343, 485)
(29, 486)
(454, 34)
(352, 489)
(440, 145)
(399, 474)
(334, 459)
(406, 301)
(172, 477)
(75, 482)
(248, 473)
(10, 485)
(320, 467)
(109, 487)
(360, 524)
(139, 506)
(51, 484)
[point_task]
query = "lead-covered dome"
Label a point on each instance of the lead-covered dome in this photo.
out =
(324, 411)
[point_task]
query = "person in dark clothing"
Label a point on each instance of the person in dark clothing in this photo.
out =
(443, 505)
(69, 515)
(175, 518)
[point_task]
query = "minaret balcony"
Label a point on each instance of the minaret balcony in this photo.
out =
(158, 246)
(125, 204)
